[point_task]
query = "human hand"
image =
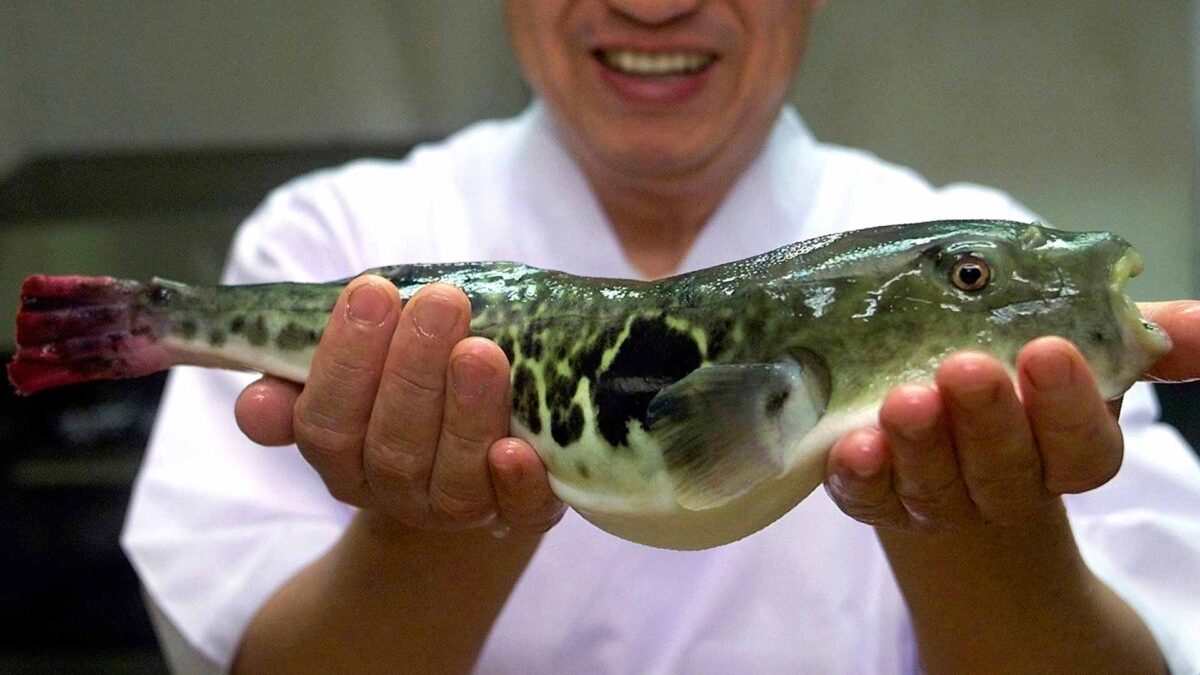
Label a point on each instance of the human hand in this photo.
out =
(970, 451)
(405, 415)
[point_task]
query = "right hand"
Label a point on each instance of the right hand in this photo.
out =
(405, 415)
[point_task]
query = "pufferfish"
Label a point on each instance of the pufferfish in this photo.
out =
(682, 413)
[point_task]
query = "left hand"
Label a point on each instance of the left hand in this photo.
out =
(970, 451)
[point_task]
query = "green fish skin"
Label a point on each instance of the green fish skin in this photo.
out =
(681, 413)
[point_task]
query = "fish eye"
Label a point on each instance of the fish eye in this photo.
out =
(970, 273)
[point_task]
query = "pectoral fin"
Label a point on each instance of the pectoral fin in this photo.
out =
(724, 429)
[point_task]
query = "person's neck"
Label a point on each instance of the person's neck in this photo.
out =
(656, 226)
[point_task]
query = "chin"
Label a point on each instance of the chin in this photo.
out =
(659, 157)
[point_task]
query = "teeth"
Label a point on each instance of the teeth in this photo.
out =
(657, 64)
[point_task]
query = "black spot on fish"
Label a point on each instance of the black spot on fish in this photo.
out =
(531, 345)
(257, 333)
(188, 329)
(653, 356)
(216, 338)
(754, 327)
(586, 361)
(566, 427)
(525, 399)
(237, 325)
(718, 340)
(505, 342)
(559, 390)
(295, 337)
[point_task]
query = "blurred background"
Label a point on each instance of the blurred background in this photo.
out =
(134, 136)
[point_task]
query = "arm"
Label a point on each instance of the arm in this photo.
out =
(963, 484)
(405, 419)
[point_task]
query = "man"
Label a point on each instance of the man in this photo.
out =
(658, 145)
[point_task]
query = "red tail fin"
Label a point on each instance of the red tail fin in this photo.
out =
(74, 329)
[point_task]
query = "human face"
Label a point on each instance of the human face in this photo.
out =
(661, 89)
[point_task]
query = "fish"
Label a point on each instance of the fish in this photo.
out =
(682, 413)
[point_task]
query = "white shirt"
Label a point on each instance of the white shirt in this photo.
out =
(217, 524)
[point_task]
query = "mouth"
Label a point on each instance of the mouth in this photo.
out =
(1151, 337)
(655, 64)
(655, 80)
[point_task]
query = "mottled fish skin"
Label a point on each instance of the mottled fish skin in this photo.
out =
(860, 311)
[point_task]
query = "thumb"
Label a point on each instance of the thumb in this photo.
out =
(264, 411)
(1180, 319)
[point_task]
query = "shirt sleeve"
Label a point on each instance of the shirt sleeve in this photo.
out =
(1140, 532)
(217, 524)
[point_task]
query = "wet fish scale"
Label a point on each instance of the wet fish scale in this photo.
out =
(684, 413)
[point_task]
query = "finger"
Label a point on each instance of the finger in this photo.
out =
(475, 415)
(1080, 443)
(993, 442)
(1181, 321)
(264, 411)
(406, 420)
(332, 411)
(859, 480)
(925, 472)
(523, 491)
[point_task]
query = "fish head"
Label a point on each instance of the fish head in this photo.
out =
(911, 295)
(1008, 283)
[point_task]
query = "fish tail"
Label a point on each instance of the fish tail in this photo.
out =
(75, 329)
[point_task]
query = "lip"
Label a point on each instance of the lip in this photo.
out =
(653, 91)
(1151, 337)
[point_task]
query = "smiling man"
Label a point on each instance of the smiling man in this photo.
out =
(659, 142)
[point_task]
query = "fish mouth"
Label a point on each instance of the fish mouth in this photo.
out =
(1146, 334)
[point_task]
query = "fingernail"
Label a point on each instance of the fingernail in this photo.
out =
(434, 317)
(368, 305)
(469, 378)
(1049, 371)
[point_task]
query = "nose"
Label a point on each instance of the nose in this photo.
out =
(654, 12)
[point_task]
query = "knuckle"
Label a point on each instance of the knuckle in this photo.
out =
(422, 385)
(311, 421)
(983, 431)
(353, 495)
(347, 365)
(924, 524)
(1094, 475)
(1002, 468)
(394, 462)
(321, 442)
(458, 506)
(867, 510)
(1069, 424)
(456, 435)
(929, 497)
